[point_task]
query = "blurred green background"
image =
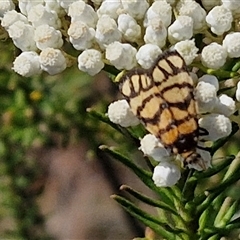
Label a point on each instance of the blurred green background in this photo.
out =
(52, 183)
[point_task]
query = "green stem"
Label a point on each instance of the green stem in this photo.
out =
(144, 175)
(148, 200)
(161, 228)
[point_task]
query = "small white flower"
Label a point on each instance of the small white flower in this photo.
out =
(219, 19)
(147, 55)
(27, 64)
(53, 5)
(238, 92)
(210, 79)
(135, 8)
(206, 96)
(156, 33)
(80, 35)
(46, 36)
(159, 9)
(233, 5)
(11, 17)
(195, 11)
(151, 146)
(26, 5)
(107, 31)
(166, 174)
(80, 11)
(6, 6)
(214, 56)
(52, 61)
(181, 29)
(22, 36)
(65, 4)
(232, 44)
(187, 49)
(119, 112)
(110, 8)
(121, 55)
(128, 26)
(225, 105)
(39, 15)
(90, 61)
(217, 125)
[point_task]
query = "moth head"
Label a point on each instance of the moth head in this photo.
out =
(194, 160)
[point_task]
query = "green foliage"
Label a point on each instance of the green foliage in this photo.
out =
(203, 205)
(200, 206)
(33, 112)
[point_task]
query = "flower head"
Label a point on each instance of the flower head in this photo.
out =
(80, 35)
(27, 64)
(147, 54)
(90, 61)
(122, 56)
(80, 11)
(206, 96)
(107, 31)
(187, 50)
(195, 11)
(219, 19)
(225, 105)
(181, 29)
(119, 112)
(46, 36)
(160, 10)
(166, 174)
(129, 28)
(52, 61)
(18, 32)
(217, 125)
(39, 15)
(151, 146)
(6, 6)
(231, 43)
(214, 56)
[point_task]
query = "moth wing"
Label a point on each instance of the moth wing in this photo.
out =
(147, 103)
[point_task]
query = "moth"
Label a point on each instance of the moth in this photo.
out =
(162, 97)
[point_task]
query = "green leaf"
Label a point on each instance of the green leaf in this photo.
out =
(219, 143)
(103, 118)
(145, 176)
(161, 228)
(233, 169)
(219, 73)
(228, 209)
(202, 201)
(128, 132)
(148, 200)
(213, 170)
(236, 67)
(204, 218)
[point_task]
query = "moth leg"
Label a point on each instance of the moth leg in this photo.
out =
(204, 148)
(203, 131)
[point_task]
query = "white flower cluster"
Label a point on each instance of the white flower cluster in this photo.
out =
(122, 33)
(215, 110)
(127, 33)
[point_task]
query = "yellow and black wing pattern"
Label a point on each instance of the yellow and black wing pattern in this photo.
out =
(162, 97)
